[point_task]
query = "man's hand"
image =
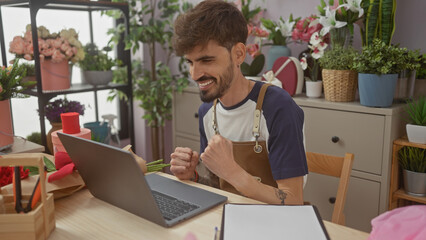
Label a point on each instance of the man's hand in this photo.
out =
(183, 162)
(218, 157)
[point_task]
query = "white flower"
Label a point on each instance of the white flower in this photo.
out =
(286, 28)
(329, 21)
(304, 63)
(315, 39)
(316, 52)
(354, 6)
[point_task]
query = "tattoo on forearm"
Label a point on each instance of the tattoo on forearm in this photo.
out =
(281, 195)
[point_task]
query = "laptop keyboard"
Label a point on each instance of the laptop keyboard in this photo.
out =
(172, 207)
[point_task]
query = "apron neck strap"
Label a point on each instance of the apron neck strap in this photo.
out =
(257, 112)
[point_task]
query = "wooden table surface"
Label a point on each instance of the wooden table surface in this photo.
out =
(82, 216)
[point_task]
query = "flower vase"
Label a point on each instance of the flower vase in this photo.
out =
(341, 36)
(55, 126)
(276, 51)
(6, 129)
(55, 76)
(313, 89)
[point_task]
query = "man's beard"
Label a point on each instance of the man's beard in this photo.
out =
(225, 83)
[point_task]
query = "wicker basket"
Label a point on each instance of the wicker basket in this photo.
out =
(339, 85)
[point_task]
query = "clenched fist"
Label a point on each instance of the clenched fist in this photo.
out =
(183, 162)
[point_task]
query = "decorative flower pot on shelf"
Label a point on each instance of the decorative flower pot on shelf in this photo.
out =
(414, 183)
(276, 51)
(339, 85)
(6, 130)
(55, 76)
(313, 89)
(96, 78)
(376, 90)
(416, 133)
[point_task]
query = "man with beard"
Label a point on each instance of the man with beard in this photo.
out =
(251, 133)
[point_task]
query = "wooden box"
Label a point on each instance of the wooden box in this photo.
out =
(36, 224)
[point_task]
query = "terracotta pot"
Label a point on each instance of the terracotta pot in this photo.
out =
(55, 76)
(6, 127)
(55, 126)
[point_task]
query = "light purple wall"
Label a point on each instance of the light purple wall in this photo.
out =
(410, 32)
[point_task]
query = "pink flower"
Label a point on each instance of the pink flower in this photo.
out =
(17, 45)
(28, 57)
(57, 56)
(48, 52)
(250, 28)
(253, 50)
(258, 32)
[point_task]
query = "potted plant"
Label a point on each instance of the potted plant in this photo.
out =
(53, 111)
(30, 76)
(317, 46)
(378, 66)
(97, 66)
(340, 81)
(413, 163)
(279, 33)
(11, 85)
(56, 50)
(416, 130)
(151, 25)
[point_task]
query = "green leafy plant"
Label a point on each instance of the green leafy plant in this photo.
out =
(417, 111)
(380, 58)
(151, 24)
(35, 137)
(247, 13)
(49, 166)
(30, 68)
(338, 58)
(413, 159)
(421, 71)
(11, 84)
(378, 21)
(255, 67)
(95, 59)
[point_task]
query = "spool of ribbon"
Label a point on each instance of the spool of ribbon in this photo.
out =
(270, 75)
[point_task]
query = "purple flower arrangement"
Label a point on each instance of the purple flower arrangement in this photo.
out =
(54, 109)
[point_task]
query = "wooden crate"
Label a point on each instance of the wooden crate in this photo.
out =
(37, 224)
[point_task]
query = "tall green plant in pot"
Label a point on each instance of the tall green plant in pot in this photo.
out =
(416, 128)
(413, 164)
(378, 21)
(340, 81)
(378, 66)
(151, 26)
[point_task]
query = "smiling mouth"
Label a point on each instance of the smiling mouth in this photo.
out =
(205, 83)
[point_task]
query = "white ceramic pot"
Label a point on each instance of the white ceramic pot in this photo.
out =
(313, 89)
(416, 133)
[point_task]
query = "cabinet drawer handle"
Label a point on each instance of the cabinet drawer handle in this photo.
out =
(335, 139)
(196, 115)
(332, 200)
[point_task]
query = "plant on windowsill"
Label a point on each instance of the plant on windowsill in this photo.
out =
(378, 66)
(413, 163)
(416, 129)
(340, 81)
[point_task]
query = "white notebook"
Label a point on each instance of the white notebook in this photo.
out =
(243, 221)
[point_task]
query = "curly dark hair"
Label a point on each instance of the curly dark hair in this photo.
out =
(209, 20)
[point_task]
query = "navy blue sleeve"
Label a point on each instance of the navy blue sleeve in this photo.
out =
(284, 119)
(202, 111)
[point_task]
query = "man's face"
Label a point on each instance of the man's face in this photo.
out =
(212, 68)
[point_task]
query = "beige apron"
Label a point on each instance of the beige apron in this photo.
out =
(251, 156)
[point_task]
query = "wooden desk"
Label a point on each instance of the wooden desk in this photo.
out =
(82, 216)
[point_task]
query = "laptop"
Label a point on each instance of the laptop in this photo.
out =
(113, 175)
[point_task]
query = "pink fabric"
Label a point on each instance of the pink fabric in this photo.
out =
(405, 223)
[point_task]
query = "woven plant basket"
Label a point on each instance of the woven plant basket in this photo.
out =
(339, 85)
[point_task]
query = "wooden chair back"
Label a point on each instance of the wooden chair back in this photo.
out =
(337, 167)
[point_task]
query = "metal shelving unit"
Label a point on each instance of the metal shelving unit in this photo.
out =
(75, 5)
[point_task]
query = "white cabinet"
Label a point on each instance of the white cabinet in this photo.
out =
(335, 128)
